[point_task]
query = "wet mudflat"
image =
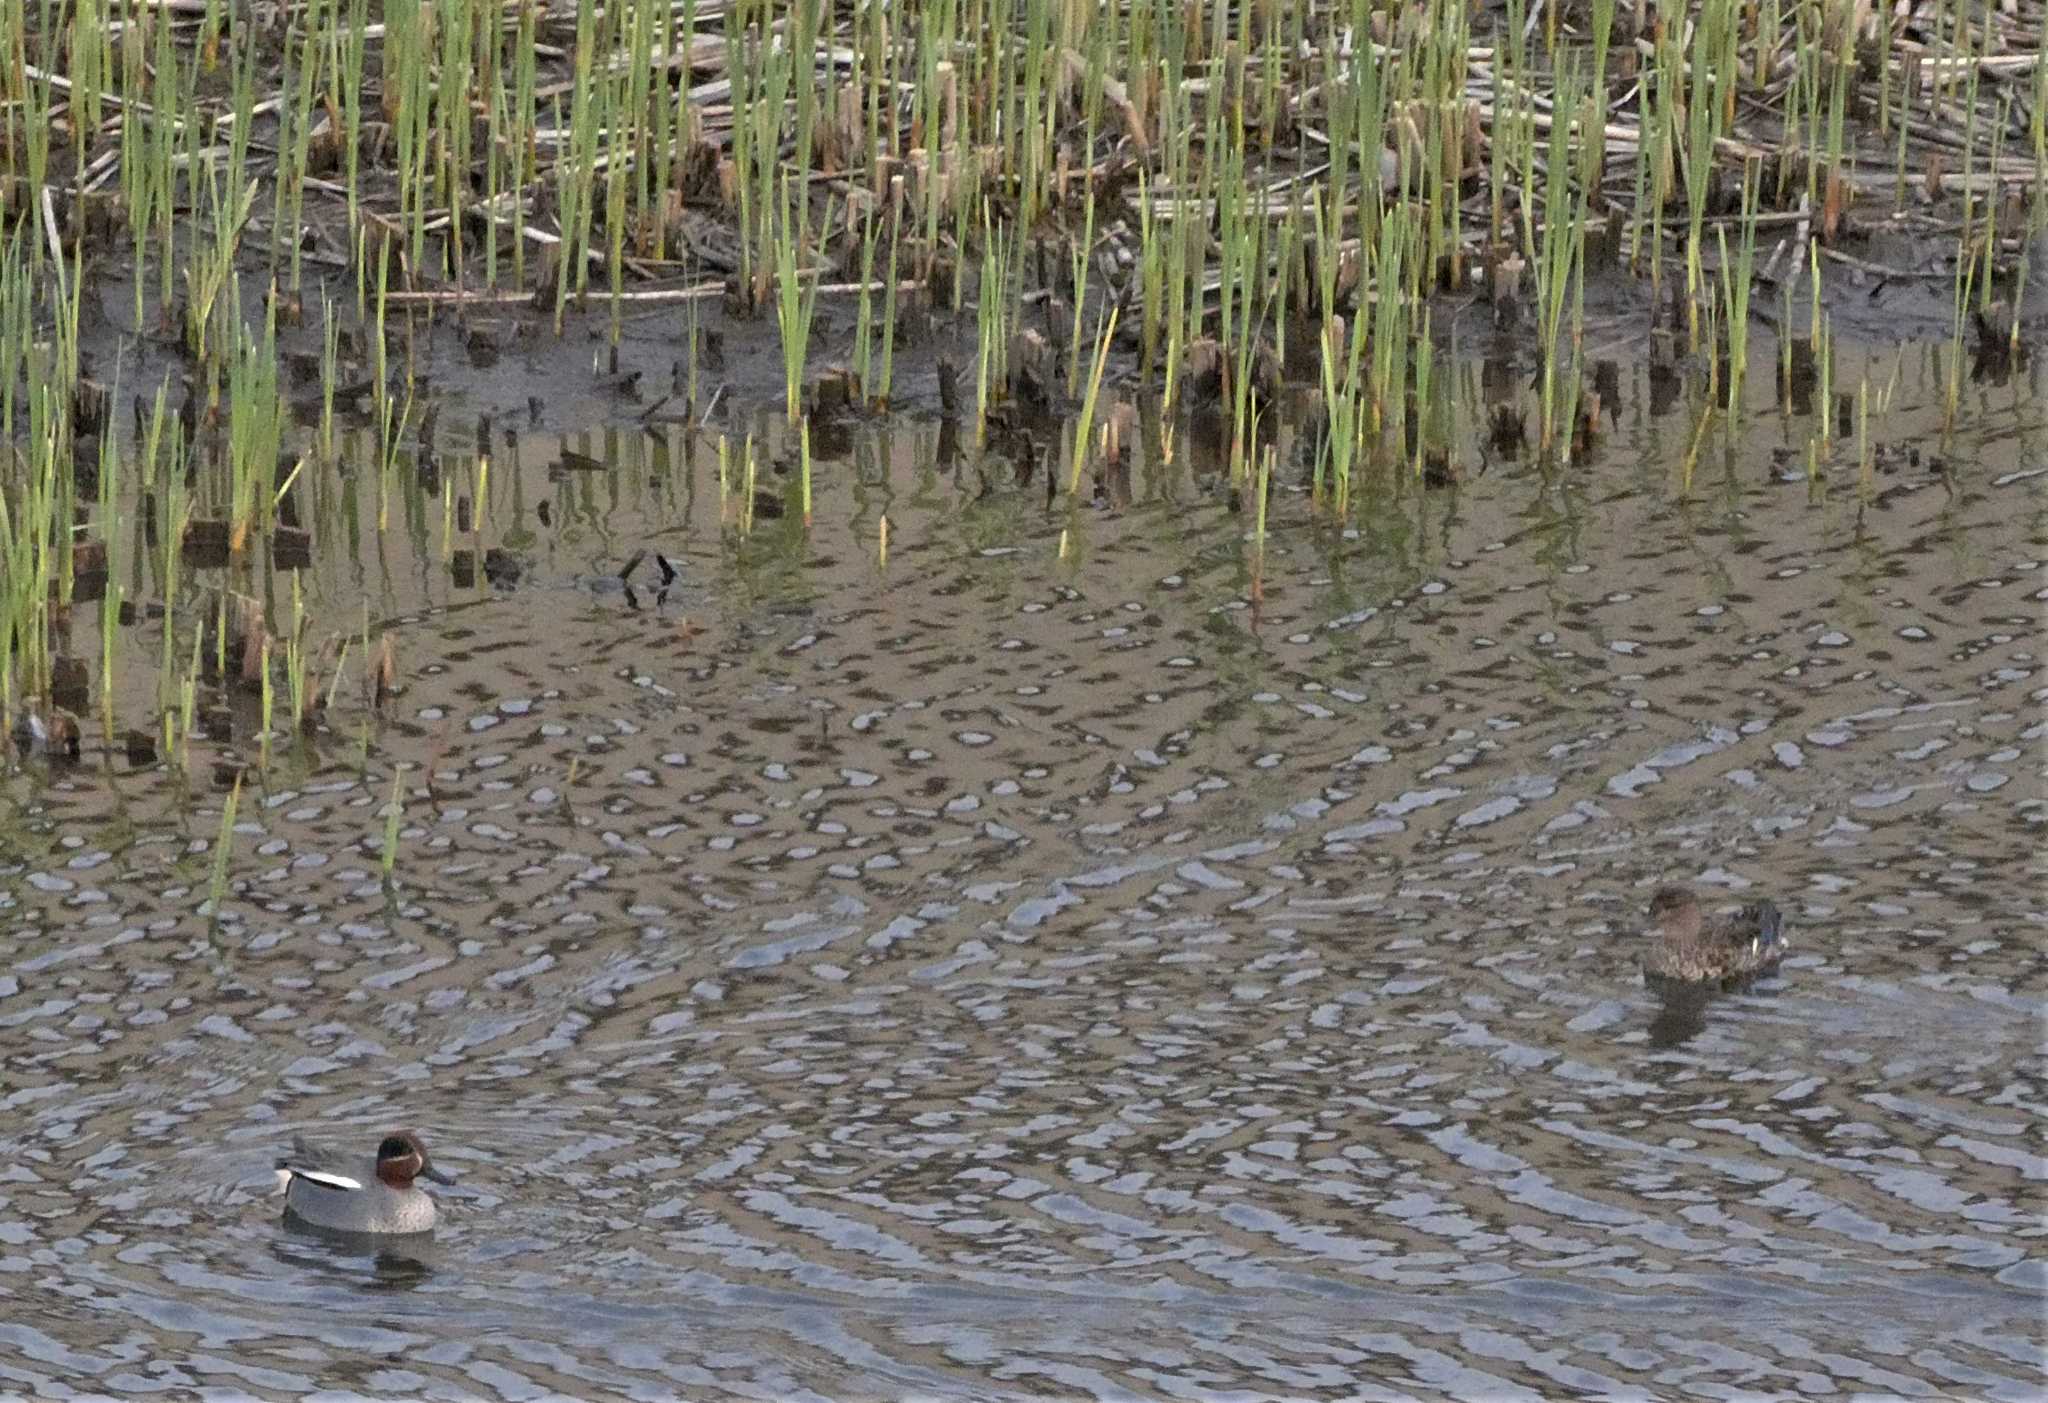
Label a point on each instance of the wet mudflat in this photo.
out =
(1083, 954)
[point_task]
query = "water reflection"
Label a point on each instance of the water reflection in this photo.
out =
(1681, 1013)
(386, 1263)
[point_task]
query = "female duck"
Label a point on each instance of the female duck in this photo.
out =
(1691, 949)
(318, 1192)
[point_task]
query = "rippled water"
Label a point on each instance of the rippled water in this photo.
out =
(1033, 967)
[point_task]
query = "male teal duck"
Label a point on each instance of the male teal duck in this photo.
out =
(318, 1191)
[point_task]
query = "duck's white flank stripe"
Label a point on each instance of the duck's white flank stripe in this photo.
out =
(325, 1179)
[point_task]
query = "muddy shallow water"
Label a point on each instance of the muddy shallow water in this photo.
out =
(1032, 967)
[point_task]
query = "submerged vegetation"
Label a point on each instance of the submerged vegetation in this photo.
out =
(1151, 218)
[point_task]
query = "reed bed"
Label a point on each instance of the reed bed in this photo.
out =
(1182, 202)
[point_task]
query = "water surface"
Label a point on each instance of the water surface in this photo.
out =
(1049, 964)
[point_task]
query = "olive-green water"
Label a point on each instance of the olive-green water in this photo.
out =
(1072, 957)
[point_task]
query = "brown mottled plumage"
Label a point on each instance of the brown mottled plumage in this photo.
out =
(1690, 948)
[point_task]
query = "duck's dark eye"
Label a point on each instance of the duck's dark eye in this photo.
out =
(394, 1147)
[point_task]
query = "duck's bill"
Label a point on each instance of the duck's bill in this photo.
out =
(438, 1176)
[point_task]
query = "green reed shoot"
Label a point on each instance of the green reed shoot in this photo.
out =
(1180, 229)
(1712, 69)
(991, 321)
(1562, 246)
(349, 53)
(1086, 419)
(188, 703)
(573, 182)
(1341, 408)
(524, 160)
(223, 852)
(334, 683)
(1081, 256)
(1864, 458)
(884, 376)
(108, 515)
(1963, 285)
(295, 663)
(864, 316)
(262, 646)
(804, 456)
(1425, 371)
(1263, 486)
(748, 465)
(1737, 279)
(295, 143)
(394, 813)
(255, 432)
(1151, 276)
(1389, 339)
(1824, 356)
(796, 301)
